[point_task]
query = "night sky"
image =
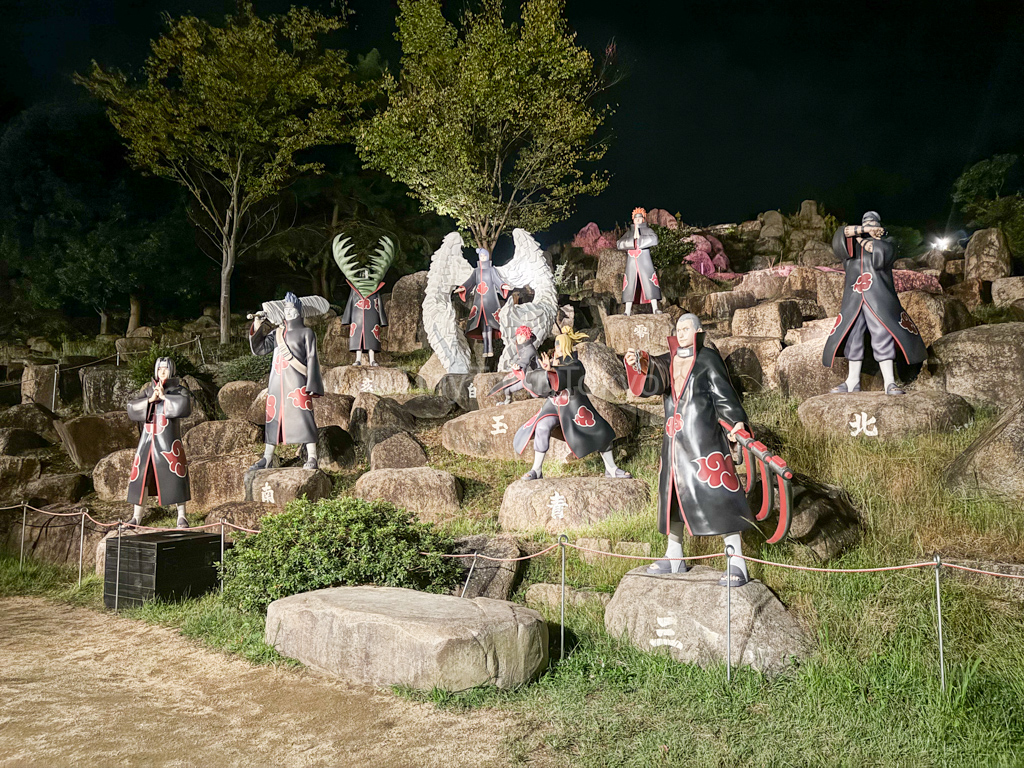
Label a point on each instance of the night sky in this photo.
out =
(728, 108)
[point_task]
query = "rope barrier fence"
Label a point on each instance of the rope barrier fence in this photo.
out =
(562, 545)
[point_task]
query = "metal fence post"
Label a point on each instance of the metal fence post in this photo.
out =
(562, 541)
(469, 575)
(81, 548)
(117, 577)
(728, 616)
(53, 399)
(24, 516)
(222, 557)
(202, 355)
(938, 606)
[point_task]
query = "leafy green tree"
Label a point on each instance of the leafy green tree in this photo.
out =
(491, 123)
(979, 194)
(79, 228)
(225, 110)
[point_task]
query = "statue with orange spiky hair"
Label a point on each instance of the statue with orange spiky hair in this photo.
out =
(640, 283)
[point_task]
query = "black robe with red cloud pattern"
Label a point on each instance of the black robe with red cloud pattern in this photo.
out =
(869, 288)
(484, 291)
(159, 468)
(294, 381)
(364, 316)
(698, 483)
(579, 423)
(640, 281)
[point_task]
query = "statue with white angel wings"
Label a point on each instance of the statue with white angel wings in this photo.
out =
(486, 288)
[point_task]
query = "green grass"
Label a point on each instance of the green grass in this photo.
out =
(39, 579)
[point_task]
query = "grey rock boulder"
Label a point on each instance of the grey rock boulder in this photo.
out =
(557, 504)
(398, 452)
(236, 398)
(431, 494)
(984, 364)
(354, 380)
(994, 462)
(685, 614)
(384, 636)
(496, 578)
(875, 415)
(284, 484)
(988, 255)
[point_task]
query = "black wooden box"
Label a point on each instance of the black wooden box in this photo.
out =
(169, 565)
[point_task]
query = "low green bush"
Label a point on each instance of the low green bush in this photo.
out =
(336, 542)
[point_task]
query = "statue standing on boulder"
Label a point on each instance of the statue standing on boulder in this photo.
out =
(698, 489)
(640, 283)
(364, 312)
(567, 413)
(870, 307)
(159, 467)
(294, 374)
(525, 360)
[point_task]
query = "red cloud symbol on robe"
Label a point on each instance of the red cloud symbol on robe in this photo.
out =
(625, 282)
(839, 319)
(176, 458)
(654, 279)
(584, 417)
(363, 304)
(482, 288)
(158, 424)
(908, 324)
(271, 408)
(562, 398)
(863, 283)
(135, 469)
(352, 330)
(717, 471)
(301, 399)
(279, 364)
(473, 310)
(673, 424)
(376, 332)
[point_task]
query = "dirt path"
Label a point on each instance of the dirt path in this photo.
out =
(78, 687)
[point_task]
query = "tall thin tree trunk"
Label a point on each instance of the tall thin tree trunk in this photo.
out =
(135, 316)
(227, 267)
(104, 321)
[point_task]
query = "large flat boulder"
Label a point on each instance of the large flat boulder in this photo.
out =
(53, 539)
(335, 449)
(427, 407)
(105, 388)
(430, 373)
(246, 514)
(215, 438)
(354, 380)
(383, 636)
(33, 417)
(830, 290)
(606, 375)
(686, 615)
(984, 364)
(885, 417)
(488, 433)
(723, 305)
(811, 330)
(87, 439)
(770, 319)
(38, 383)
(111, 473)
(477, 395)
(973, 293)
(994, 463)
(647, 332)
(988, 256)
(405, 331)
(57, 489)
(557, 504)
(236, 398)
(283, 484)
(935, 316)
(431, 494)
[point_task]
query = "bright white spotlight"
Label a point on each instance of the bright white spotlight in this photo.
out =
(941, 243)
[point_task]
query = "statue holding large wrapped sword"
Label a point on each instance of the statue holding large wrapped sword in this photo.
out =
(699, 489)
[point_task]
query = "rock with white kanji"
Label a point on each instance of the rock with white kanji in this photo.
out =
(685, 615)
(647, 332)
(354, 380)
(488, 433)
(885, 417)
(284, 484)
(557, 504)
(384, 636)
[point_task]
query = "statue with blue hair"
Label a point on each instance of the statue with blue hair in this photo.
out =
(294, 374)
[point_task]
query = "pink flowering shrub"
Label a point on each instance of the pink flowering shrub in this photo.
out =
(909, 280)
